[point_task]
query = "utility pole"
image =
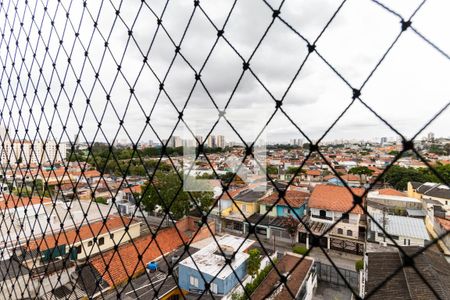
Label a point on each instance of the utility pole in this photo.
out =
(384, 224)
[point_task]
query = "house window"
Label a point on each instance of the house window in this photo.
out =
(340, 231)
(213, 288)
(111, 236)
(349, 233)
(407, 242)
(237, 226)
(89, 243)
(78, 249)
(322, 213)
(101, 241)
(193, 281)
(344, 216)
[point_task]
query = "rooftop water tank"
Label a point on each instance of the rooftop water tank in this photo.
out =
(152, 266)
(228, 251)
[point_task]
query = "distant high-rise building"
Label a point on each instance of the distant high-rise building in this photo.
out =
(211, 141)
(199, 139)
(175, 141)
(220, 141)
(383, 140)
(296, 142)
(430, 137)
(32, 153)
(2, 133)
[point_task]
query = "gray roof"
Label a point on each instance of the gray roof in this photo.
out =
(406, 284)
(416, 212)
(250, 196)
(11, 268)
(401, 226)
(432, 189)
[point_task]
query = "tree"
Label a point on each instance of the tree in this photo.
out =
(361, 171)
(447, 148)
(443, 170)
(399, 211)
(291, 225)
(100, 200)
(167, 190)
(359, 265)
(228, 176)
(254, 262)
(299, 250)
(293, 170)
(272, 170)
(398, 177)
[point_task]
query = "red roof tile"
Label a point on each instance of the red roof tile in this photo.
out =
(86, 174)
(12, 201)
(334, 198)
(350, 177)
(86, 231)
(298, 270)
(136, 189)
(390, 192)
(294, 198)
(313, 172)
(444, 222)
(125, 262)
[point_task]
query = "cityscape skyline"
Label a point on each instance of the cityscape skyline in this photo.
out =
(293, 140)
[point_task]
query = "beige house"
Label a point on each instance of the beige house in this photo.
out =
(79, 243)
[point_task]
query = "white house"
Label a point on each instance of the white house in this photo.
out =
(405, 231)
(327, 205)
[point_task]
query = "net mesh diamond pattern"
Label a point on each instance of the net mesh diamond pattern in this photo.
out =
(93, 73)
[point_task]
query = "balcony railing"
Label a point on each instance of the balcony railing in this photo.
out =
(322, 217)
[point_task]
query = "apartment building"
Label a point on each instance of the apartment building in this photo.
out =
(28, 152)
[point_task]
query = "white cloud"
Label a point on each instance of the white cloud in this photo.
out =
(408, 88)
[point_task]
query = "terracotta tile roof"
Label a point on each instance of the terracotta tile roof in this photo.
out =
(313, 172)
(11, 201)
(288, 263)
(87, 174)
(444, 222)
(87, 231)
(125, 262)
(134, 189)
(53, 173)
(345, 177)
(231, 193)
(293, 198)
(350, 177)
(334, 198)
(70, 186)
(375, 169)
(390, 192)
(328, 177)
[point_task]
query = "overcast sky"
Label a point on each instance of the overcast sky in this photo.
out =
(410, 86)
